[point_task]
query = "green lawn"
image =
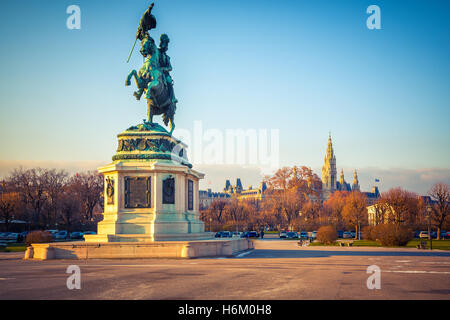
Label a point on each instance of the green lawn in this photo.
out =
(14, 247)
(437, 244)
(320, 244)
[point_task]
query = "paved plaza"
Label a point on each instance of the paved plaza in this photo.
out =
(276, 269)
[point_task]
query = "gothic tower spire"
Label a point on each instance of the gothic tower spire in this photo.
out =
(342, 180)
(355, 186)
(329, 174)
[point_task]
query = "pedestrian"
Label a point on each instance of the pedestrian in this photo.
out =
(262, 234)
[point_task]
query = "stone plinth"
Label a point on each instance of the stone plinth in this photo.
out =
(151, 190)
(152, 219)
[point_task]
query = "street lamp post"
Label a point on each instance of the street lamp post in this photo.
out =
(429, 227)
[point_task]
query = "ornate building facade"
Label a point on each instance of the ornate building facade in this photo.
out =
(207, 196)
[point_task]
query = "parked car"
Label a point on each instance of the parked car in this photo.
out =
(61, 235)
(76, 235)
(3, 235)
(53, 233)
(340, 233)
(434, 234)
(223, 234)
(12, 236)
(249, 234)
(443, 234)
(236, 234)
(304, 235)
(353, 233)
(448, 235)
(253, 234)
(283, 234)
(347, 235)
(22, 236)
(227, 234)
(423, 234)
(292, 235)
(314, 235)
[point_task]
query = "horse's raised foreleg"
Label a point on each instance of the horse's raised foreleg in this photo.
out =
(139, 84)
(131, 74)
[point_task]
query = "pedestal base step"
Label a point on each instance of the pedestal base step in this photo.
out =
(140, 250)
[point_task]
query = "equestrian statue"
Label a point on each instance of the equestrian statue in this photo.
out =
(153, 78)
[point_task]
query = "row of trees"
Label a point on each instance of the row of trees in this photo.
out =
(48, 198)
(293, 201)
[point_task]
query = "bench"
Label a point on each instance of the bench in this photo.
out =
(422, 245)
(303, 243)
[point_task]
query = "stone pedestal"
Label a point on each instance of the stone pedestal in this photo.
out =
(151, 190)
(151, 206)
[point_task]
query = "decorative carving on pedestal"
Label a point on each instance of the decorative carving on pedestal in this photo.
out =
(153, 145)
(109, 190)
(150, 142)
(137, 192)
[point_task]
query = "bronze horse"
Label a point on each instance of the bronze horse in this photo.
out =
(154, 80)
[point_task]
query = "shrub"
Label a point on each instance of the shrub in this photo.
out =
(369, 233)
(393, 235)
(38, 237)
(327, 235)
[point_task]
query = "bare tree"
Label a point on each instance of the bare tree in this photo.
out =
(8, 204)
(216, 209)
(31, 187)
(88, 188)
(234, 212)
(55, 183)
(69, 209)
(440, 193)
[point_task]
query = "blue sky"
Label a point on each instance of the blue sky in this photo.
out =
(303, 67)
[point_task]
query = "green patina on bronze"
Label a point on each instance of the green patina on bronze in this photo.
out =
(153, 78)
(150, 142)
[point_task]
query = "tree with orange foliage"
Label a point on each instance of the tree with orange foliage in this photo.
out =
(290, 188)
(402, 206)
(355, 211)
(335, 204)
